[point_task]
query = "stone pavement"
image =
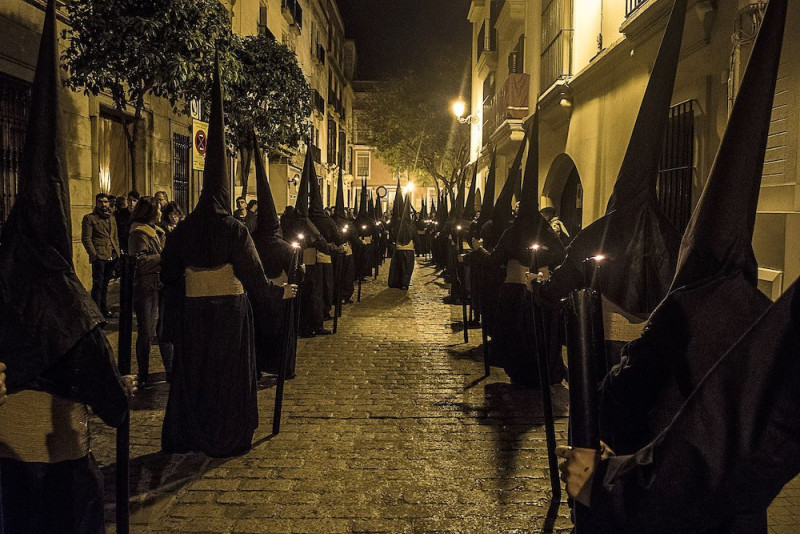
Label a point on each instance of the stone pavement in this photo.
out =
(388, 427)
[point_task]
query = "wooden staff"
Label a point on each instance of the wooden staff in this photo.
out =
(585, 347)
(460, 278)
(487, 368)
(338, 267)
(124, 364)
(541, 347)
(288, 341)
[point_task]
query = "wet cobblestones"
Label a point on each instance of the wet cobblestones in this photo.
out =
(387, 427)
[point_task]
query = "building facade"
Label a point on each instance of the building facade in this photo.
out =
(586, 65)
(97, 155)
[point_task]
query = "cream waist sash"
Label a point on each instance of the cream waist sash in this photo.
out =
(619, 325)
(407, 246)
(310, 256)
(214, 282)
(366, 240)
(39, 427)
(515, 272)
(323, 258)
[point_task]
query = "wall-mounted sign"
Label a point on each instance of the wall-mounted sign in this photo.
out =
(199, 144)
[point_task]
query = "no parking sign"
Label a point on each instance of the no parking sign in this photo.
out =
(199, 144)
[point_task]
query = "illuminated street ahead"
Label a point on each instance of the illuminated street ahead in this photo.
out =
(387, 428)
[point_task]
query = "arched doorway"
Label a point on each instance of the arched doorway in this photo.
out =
(564, 189)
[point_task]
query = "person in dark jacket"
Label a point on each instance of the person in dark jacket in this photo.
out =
(145, 244)
(101, 241)
(125, 207)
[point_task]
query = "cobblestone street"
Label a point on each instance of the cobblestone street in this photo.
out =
(388, 427)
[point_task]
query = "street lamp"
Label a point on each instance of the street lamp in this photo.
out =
(459, 108)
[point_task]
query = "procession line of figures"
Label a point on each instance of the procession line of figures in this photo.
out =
(685, 411)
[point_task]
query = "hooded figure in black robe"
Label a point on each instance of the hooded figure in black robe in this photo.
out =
(396, 215)
(333, 237)
(457, 228)
(402, 266)
(303, 229)
(344, 264)
(365, 252)
(714, 296)
(638, 242)
(51, 339)
(276, 257)
(681, 356)
(513, 341)
(440, 237)
(477, 263)
(497, 219)
(421, 244)
(208, 263)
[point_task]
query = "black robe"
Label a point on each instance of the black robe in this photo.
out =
(276, 257)
(728, 452)
(212, 401)
(513, 342)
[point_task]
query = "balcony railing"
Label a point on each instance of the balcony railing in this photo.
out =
(633, 5)
(486, 43)
(510, 103)
(556, 42)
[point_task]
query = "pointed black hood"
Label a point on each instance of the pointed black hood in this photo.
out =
(267, 219)
(406, 229)
(503, 209)
(301, 205)
(338, 210)
(639, 243)
(423, 214)
(720, 233)
(636, 182)
(529, 227)
(713, 298)
(44, 308)
(215, 199)
(487, 207)
(316, 207)
(275, 253)
(355, 206)
(469, 204)
(371, 208)
(397, 205)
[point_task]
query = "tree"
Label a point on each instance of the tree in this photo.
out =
(134, 49)
(269, 96)
(410, 123)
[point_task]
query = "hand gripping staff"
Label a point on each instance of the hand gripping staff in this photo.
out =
(289, 340)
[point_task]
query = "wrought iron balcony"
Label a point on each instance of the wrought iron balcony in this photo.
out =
(633, 5)
(486, 43)
(557, 33)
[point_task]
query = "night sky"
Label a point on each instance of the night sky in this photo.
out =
(395, 36)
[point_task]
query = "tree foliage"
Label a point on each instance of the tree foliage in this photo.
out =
(410, 123)
(270, 95)
(133, 49)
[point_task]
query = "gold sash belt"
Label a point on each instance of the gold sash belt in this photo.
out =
(367, 240)
(323, 258)
(619, 325)
(39, 427)
(214, 282)
(407, 246)
(310, 256)
(515, 272)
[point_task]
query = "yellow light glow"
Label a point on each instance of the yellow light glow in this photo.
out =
(300, 236)
(459, 108)
(364, 227)
(535, 247)
(296, 245)
(599, 257)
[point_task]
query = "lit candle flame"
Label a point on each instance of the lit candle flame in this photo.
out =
(364, 227)
(300, 236)
(458, 227)
(535, 247)
(296, 245)
(599, 257)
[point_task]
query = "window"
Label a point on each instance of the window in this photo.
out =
(556, 42)
(14, 106)
(676, 167)
(180, 175)
(362, 165)
(262, 19)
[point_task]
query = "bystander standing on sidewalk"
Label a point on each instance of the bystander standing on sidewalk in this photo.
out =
(100, 239)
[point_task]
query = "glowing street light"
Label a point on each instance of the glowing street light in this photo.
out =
(459, 108)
